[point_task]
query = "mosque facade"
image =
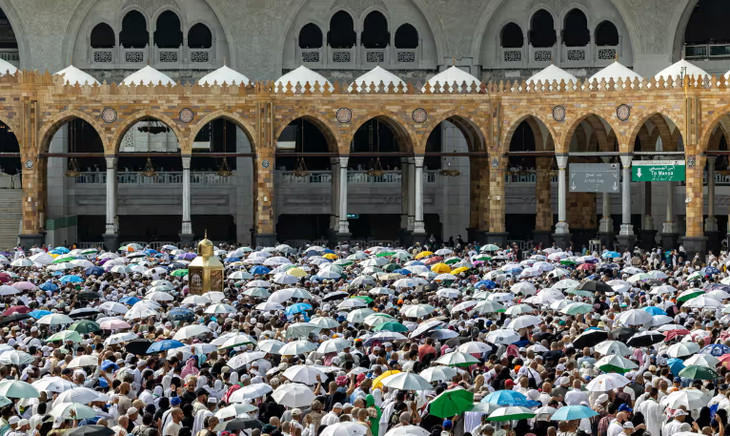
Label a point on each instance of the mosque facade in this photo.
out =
(372, 121)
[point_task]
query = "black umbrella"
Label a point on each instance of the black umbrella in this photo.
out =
(337, 295)
(644, 339)
(426, 288)
(138, 346)
(90, 430)
(590, 338)
(623, 334)
(88, 295)
(595, 286)
(13, 318)
(239, 424)
(83, 312)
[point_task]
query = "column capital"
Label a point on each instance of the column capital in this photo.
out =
(419, 161)
(711, 160)
(186, 162)
(626, 160)
(111, 161)
(343, 161)
(606, 159)
(562, 160)
(334, 161)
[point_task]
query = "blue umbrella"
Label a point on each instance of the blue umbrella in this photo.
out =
(506, 398)
(71, 279)
(129, 300)
(38, 314)
(259, 270)
(403, 271)
(570, 413)
(167, 344)
(654, 310)
(716, 350)
(150, 251)
(416, 262)
(710, 270)
(486, 284)
(181, 314)
(231, 259)
(57, 273)
(59, 250)
(675, 365)
(329, 251)
(105, 365)
(94, 271)
(611, 255)
(48, 286)
(297, 308)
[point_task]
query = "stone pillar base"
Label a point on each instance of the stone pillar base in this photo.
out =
(542, 237)
(562, 240)
(342, 237)
(264, 239)
(471, 234)
(714, 242)
(581, 237)
(693, 246)
(111, 241)
(626, 242)
(421, 238)
(187, 240)
(481, 236)
(669, 241)
(647, 239)
(28, 241)
(607, 240)
(498, 239)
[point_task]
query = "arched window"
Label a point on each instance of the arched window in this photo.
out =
(7, 36)
(406, 37)
(375, 31)
(342, 31)
(167, 31)
(102, 36)
(542, 29)
(310, 36)
(606, 34)
(575, 29)
(708, 23)
(134, 31)
(199, 36)
(511, 36)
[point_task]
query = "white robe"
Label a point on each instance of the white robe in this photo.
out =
(199, 419)
(653, 415)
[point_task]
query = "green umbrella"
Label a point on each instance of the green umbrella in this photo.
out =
(179, 273)
(18, 389)
(66, 258)
(576, 308)
(385, 254)
(452, 260)
(342, 262)
(615, 363)
(490, 247)
(581, 292)
(390, 267)
(511, 413)
(568, 262)
(697, 372)
(451, 402)
(483, 257)
(65, 335)
(84, 326)
(690, 294)
(364, 298)
(391, 327)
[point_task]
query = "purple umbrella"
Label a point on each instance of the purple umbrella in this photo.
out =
(186, 256)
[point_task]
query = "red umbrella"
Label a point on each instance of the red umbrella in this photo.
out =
(725, 359)
(673, 334)
(586, 266)
(17, 309)
(433, 260)
(5, 278)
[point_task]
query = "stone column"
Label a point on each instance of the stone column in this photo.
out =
(403, 194)
(562, 230)
(111, 234)
(694, 240)
(605, 227)
(419, 229)
(647, 233)
(497, 230)
(543, 202)
(343, 229)
(265, 224)
(711, 231)
(626, 237)
(669, 232)
(411, 194)
(335, 197)
(33, 195)
(186, 234)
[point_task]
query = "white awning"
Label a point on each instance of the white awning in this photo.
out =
(375, 76)
(148, 76)
(451, 75)
(681, 68)
(73, 76)
(301, 75)
(224, 75)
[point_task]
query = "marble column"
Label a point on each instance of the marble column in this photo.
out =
(335, 198)
(418, 226)
(562, 230)
(714, 242)
(669, 233)
(343, 229)
(186, 234)
(626, 237)
(404, 193)
(111, 235)
(411, 194)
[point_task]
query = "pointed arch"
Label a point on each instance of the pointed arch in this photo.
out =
(51, 126)
(658, 116)
(475, 134)
(128, 122)
(240, 122)
(324, 126)
(567, 135)
(406, 140)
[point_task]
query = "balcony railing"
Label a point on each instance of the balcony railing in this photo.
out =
(358, 57)
(526, 176)
(707, 51)
(162, 58)
(354, 177)
(166, 177)
(10, 55)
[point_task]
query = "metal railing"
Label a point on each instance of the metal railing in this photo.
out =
(354, 177)
(525, 176)
(707, 51)
(165, 177)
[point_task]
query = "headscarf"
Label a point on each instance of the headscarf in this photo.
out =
(189, 369)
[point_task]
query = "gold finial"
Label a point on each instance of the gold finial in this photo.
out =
(224, 61)
(72, 59)
(206, 234)
(615, 56)
(453, 61)
(552, 61)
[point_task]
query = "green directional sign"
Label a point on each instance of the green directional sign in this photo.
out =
(657, 171)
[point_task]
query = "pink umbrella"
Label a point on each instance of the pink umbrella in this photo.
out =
(114, 324)
(24, 286)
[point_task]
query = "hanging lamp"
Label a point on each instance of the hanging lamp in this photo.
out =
(301, 169)
(73, 169)
(224, 170)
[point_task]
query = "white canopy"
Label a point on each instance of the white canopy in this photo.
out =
(452, 75)
(552, 73)
(73, 76)
(224, 75)
(615, 71)
(7, 68)
(148, 76)
(376, 75)
(681, 68)
(302, 75)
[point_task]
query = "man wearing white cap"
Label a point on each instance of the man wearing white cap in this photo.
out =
(652, 411)
(201, 414)
(333, 417)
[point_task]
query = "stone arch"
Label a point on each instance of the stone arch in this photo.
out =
(656, 115)
(708, 127)
(514, 124)
(680, 19)
(128, 122)
(240, 122)
(51, 126)
(323, 125)
(542, 9)
(716, 137)
(473, 131)
(570, 11)
(407, 140)
(567, 135)
(19, 30)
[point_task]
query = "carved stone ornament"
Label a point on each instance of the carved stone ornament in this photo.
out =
(559, 113)
(623, 112)
(186, 115)
(495, 163)
(265, 163)
(344, 115)
(109, 115)
(419, 115)
(29, 164)
(691, 161)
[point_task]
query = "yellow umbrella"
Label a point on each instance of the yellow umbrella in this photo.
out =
(423, 254)
(296, 272)
(330, 256)
(378, 382)
(459, 270)
(441, 268)
(54, 255)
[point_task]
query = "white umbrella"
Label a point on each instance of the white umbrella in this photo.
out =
(474, 347)
(691, 399)
(239, 360)
(72, 411)
(683, 349)
(613, 347)
(407, 381)
(352, 303)
(456, 358)
(358, 316)
(234, 410)
(304, 374)
(488, 306)
(408, 430)
(524, 288)
(120, 338)
(295, 348)
(80, 361)
(53, 384)
(293, 395)
(139, 312)
(707, 360)
(352, 428)
(417, 310)
(438, 373)
(301, 330)
(112, 306)
(269, 305)
(607, 382)
(56, 319)
(333, 346)
(253, 391)
(324, 322)
(190, 331)
(702, 301)
(270, 346)
(503, 337)
(16, 357)
(17, 389)
(236, 340)
(525, 321)
(220, 308)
